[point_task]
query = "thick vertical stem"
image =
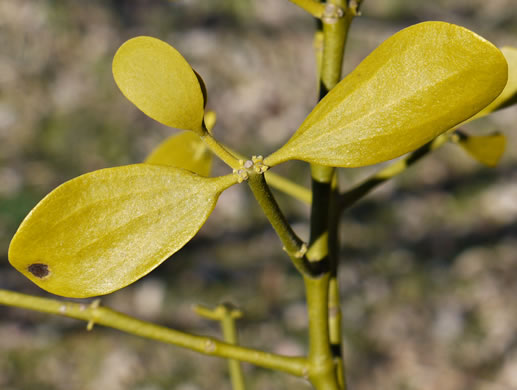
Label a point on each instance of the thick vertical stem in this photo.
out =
(335, 334)
(335, 26)
(323, 244)
(335, 30)
(322, 373)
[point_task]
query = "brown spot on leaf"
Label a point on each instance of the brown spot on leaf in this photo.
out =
(39, 270)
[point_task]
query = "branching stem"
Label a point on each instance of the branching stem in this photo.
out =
(227, 314)
(293, 245)
(297, 366)
(281, 183)
(351, 196)
(220, 151)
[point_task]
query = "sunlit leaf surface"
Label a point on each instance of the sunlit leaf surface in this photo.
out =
(102, 231)
(509, 94)
(184, 150)
(160, 82)
(417, 84)
(487, 149)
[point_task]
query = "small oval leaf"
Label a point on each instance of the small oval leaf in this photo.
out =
(159, 81)
(487, 149)
(104, 230)
(417, 84)
(184, 150)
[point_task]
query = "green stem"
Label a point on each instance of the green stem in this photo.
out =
(322, 371)
(226, 314)
(313, 7)
(293, 245)
(323, 243)
(230, 336)
(351, 196)
(297, 366)
(220, 151)
(335, 32)
(335, 26)
(318, 243)
(335, 334)
(288, 187)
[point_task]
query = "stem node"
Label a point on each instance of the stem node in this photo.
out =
(332, 14)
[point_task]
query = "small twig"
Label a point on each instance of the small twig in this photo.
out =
(297, 366)
(220, 151)
(293, 245)
(226, 314)
(351, 196)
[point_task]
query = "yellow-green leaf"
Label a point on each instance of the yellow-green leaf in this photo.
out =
(487, 149)
(509, 94)
(159, 81)
(104, 230)
(184, 150)
(417, 84)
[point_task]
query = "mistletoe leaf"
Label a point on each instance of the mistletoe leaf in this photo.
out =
(487, 149)
(104, 230)
(417, 84)
(159, 81)
(509, 94)
(184, 150)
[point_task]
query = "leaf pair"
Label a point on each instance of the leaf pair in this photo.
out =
(104, 230)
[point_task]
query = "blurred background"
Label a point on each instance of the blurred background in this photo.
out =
(429, 268)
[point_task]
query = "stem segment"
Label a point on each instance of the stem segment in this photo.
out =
(220, 151)
(322, 372)
(230, 336)
(351, 196)
(323, 244)
(297, 366)
(293, 245)
(227, 314)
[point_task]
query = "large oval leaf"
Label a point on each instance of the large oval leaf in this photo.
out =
(184, 150)
(160, 82)
(104, 230)
(417, 84)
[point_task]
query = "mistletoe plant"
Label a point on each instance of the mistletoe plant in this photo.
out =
(104, 230)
